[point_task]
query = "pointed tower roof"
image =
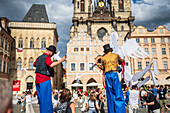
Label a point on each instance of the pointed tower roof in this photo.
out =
(37, 13)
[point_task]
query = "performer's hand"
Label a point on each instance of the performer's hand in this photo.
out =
(64, 58)
(144, 103)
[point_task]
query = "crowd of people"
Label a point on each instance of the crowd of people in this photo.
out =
(153, 98)
(91, 101)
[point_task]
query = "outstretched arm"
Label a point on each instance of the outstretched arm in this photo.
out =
(58, 62)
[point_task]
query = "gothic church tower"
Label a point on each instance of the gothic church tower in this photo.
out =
(99, 17)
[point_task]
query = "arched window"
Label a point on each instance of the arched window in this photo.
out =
(32, 43)
(43, 43)
(19, 64)
(20, 43)
(31, 63)
(121, 5)
(82, 5)
(101, 33)
(122, 28)
(77, 5)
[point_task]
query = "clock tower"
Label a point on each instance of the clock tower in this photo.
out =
(98, 17)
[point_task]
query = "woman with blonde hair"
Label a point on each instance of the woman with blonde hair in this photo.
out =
(92, 104)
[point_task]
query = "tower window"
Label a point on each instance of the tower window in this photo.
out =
(121, 5)
(77, 5)
(76, 49)
(32, 43)
(43, 43)
(20, 43)
(82, 5)
(122, 28)
(82, 49)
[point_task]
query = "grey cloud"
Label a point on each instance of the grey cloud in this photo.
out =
(151, 16)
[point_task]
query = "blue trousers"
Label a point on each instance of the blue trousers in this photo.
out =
(45, 97)
(115, 98)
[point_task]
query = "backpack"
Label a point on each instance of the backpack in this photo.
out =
(56, 97)
(94, 106)
(63, 108)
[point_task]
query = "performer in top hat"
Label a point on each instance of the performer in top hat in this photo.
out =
(109, 64)
(44, 70)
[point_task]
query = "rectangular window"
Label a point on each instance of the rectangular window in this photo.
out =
(162, 40)
(147, 50)
(152, 40)
(147, 63)
(82, 49)
(137, 40)
(87, 49)
(165, 64)
(81, 66)
(168, 40)
(73, 67)
(4, 67)
(153, 51)
(139, 65)
(6, 43)
(9, 47)
(163, 51)
(2, 42)
(76, 49)
(145, 40)
(90, 66)
(0, 64)
(8, 67)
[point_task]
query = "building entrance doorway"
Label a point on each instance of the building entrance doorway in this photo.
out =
(30, 85)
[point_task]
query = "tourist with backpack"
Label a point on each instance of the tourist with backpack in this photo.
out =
(92, 104)
(64, 105)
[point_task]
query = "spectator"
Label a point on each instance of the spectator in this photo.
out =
(28, 99)
(55, 97)
(150, 100)
(5, 97)
(64, 105)
(92, 104)
(162, 98)
(100, 99)
(23, 102)
(133, 99)
(154, 91)
(75, 96)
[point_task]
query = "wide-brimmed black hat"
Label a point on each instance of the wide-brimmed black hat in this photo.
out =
(107, 48)
(52, 48)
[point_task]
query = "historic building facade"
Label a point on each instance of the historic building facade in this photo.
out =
(91, 29)
(6, 41)
(32, 35)
(157, 44)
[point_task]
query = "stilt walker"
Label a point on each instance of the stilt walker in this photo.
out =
(109, 64)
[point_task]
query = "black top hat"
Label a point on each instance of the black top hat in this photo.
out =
(107, 48)
(52, 48)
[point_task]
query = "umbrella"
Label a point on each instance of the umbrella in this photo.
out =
(76, 85)
(163, 81)
(93, 84)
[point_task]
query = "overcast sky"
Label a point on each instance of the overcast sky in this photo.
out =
(149, 13)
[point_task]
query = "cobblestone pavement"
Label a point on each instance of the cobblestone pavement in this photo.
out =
(17, 108)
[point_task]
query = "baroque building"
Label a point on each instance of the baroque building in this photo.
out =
(32, 35)
(93, 22)
(6, 48)
(157, 44)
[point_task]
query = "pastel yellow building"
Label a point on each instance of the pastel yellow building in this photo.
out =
(157, 44)
(32, 35)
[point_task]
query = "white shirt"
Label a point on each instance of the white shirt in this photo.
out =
(91, 104)
(133, 97)
(28, 98)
